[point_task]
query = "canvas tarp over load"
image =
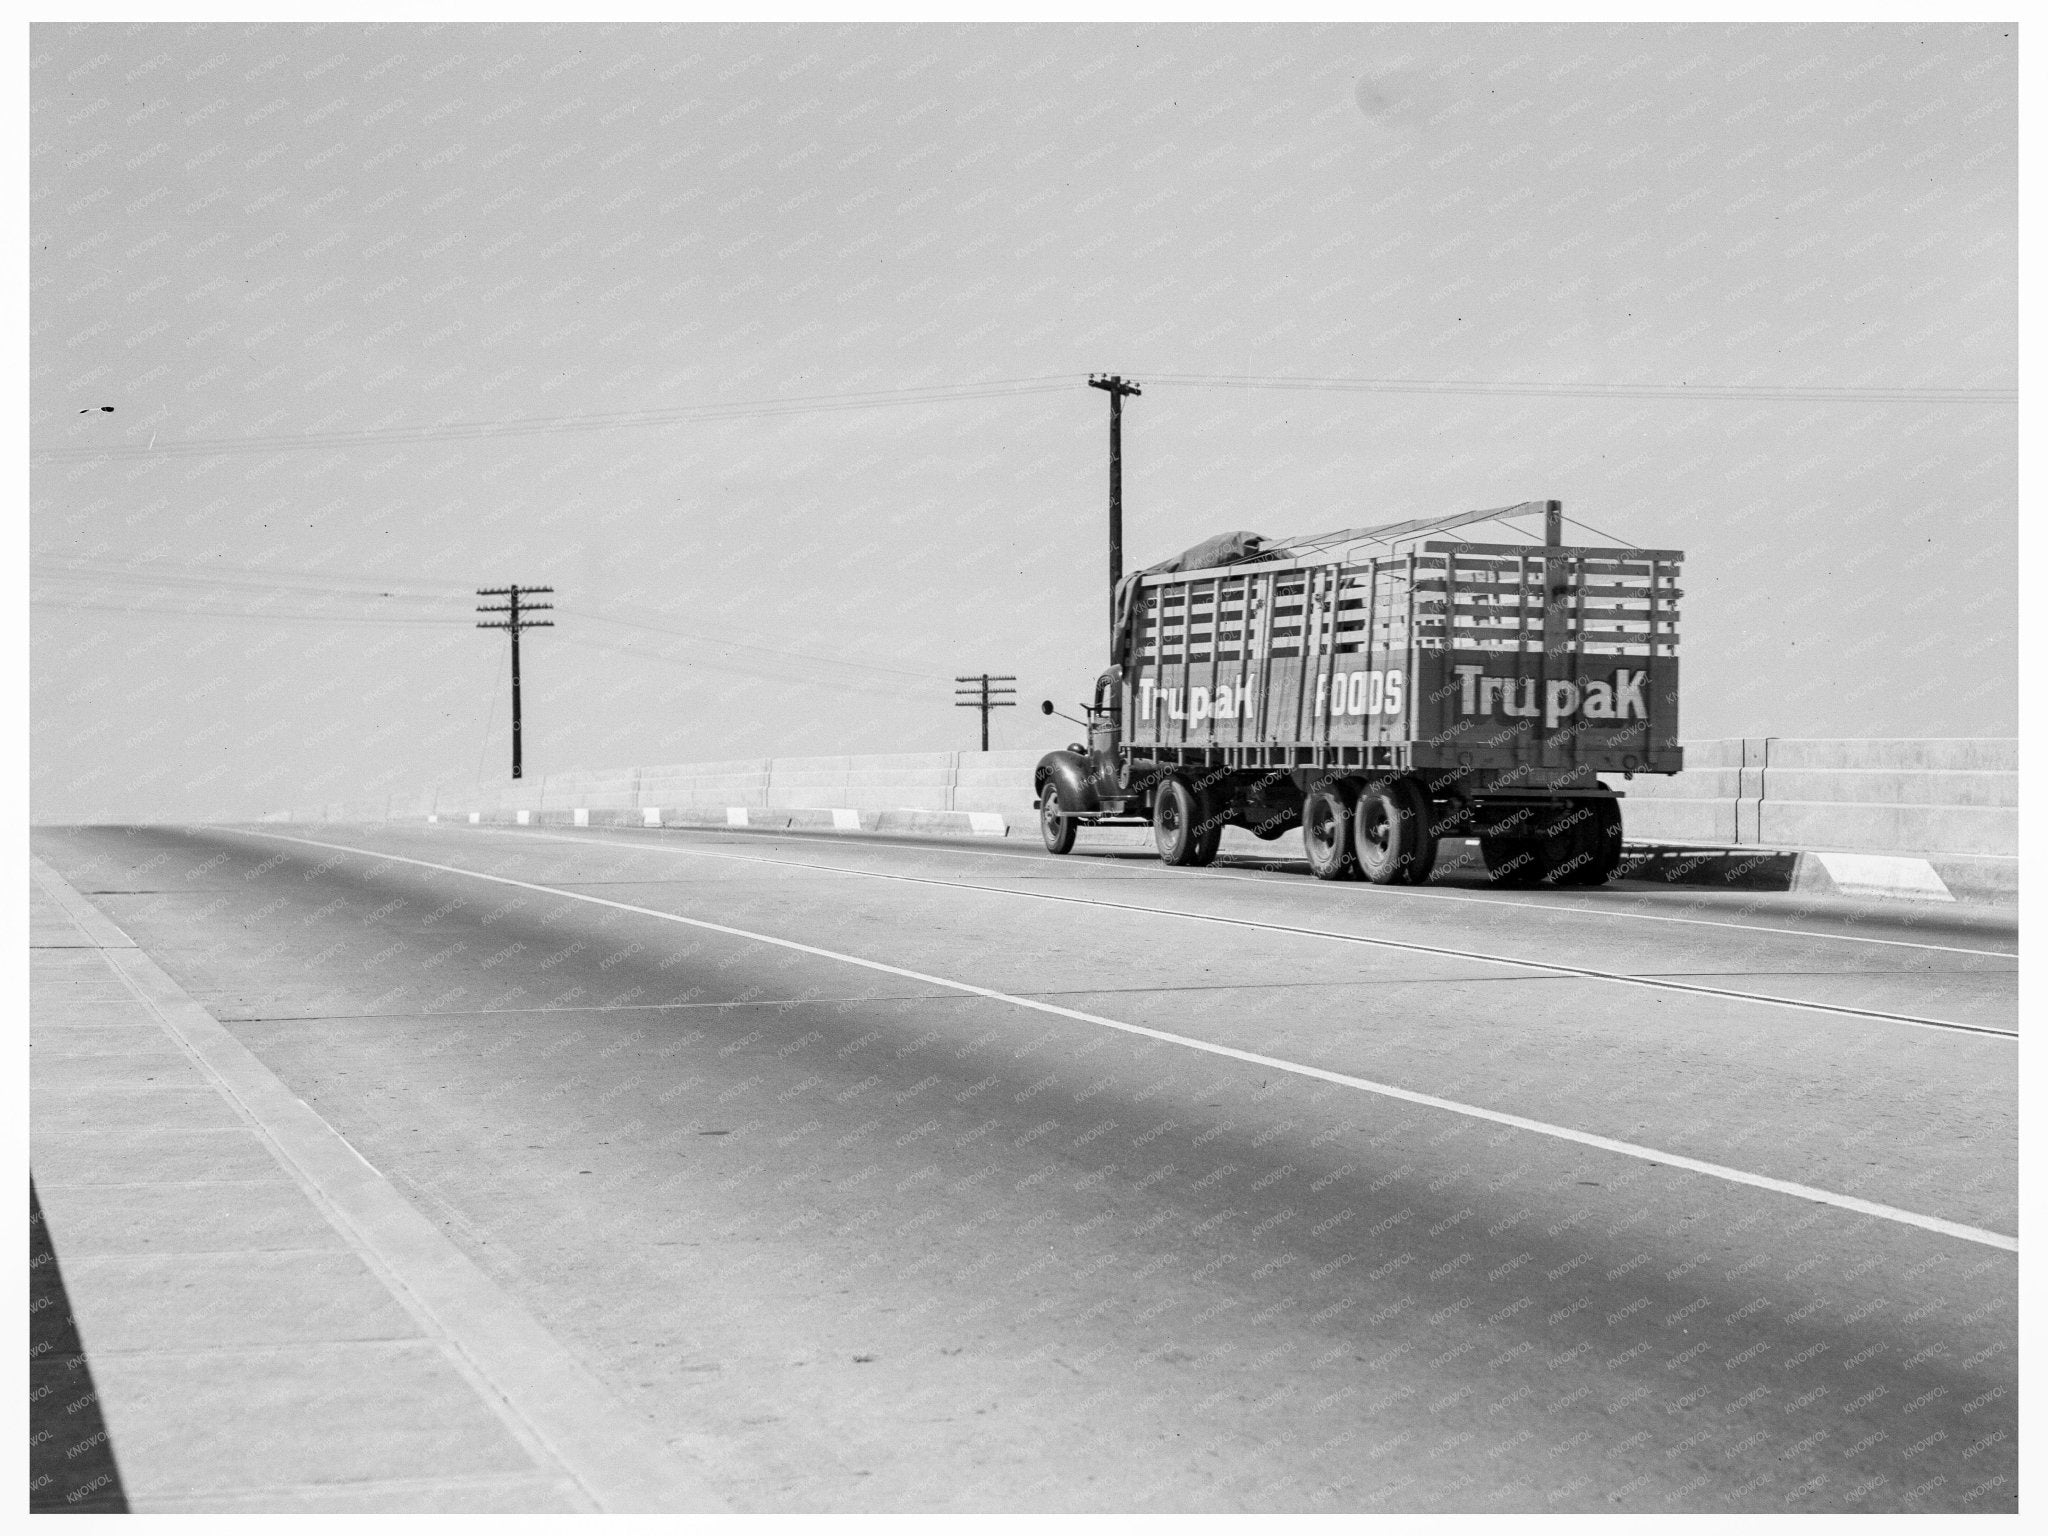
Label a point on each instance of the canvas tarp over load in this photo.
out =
(1243, 548)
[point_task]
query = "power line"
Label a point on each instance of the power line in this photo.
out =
(943, 394)
(791, 405)
(741, 669)
(241, 581)
(82, 584)
(747, 645)
(1844, 393)
(229, 613)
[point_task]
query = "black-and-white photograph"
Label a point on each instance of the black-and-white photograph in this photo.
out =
(1253, 767)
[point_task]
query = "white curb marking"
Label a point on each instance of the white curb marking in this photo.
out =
(1874, 874)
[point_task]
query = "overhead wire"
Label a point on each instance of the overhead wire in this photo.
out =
(228, 613)
(1843, 393)
(943, 394)
(740, 667)
(154, 572)
(747, 645)
(157, 588)
(709, 411)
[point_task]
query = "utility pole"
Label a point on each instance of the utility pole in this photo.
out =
(1117, 388)
(515, 620)
(984, 698)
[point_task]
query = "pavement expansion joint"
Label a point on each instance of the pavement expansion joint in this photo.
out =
(1250, 871)
(1226, 920)
(1374, 983)
(388, 1344)
(1860, 971)
(179, 1183)
(1835, 1198)
(478, 1013)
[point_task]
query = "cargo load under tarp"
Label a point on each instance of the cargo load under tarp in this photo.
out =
(1242, 547)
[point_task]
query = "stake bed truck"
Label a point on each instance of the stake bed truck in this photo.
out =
(1382, 700)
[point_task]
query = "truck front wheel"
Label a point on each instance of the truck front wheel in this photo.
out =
(1326, 833)
(1179, 830)
(1057, 830)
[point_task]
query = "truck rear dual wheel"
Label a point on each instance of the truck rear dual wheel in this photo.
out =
(1183, 830)
(1600, 840)
(1511, 861)
(1391, 834)
(1580, 846)
(1326, 817)
(1056, 829)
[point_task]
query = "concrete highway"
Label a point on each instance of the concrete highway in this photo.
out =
(915, 1175)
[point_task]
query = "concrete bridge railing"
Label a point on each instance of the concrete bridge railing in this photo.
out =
(1951, 802)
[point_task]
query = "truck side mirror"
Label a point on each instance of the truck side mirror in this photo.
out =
(1047, 706)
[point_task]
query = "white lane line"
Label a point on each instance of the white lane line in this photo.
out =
(1299, 1069)
(1619, 978)
(1406, 893)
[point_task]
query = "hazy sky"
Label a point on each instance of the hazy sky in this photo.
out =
(766, 347)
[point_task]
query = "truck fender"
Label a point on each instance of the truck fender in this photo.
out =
(1070, 773)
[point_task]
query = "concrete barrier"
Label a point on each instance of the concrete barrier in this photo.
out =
(1914, 818)
(921, 781)
(1948, 807)
(995, 781)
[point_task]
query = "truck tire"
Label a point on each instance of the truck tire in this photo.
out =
(1391, 834)
(1600, 840)
(1057, 830)
(1566, 845)
(1424, 863)
(1326, 818)
(1177, 824)
(1511, 862)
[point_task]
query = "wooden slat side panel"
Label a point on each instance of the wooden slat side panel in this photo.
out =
(1297, 666)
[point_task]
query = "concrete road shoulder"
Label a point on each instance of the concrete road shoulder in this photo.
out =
(270, 1324)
